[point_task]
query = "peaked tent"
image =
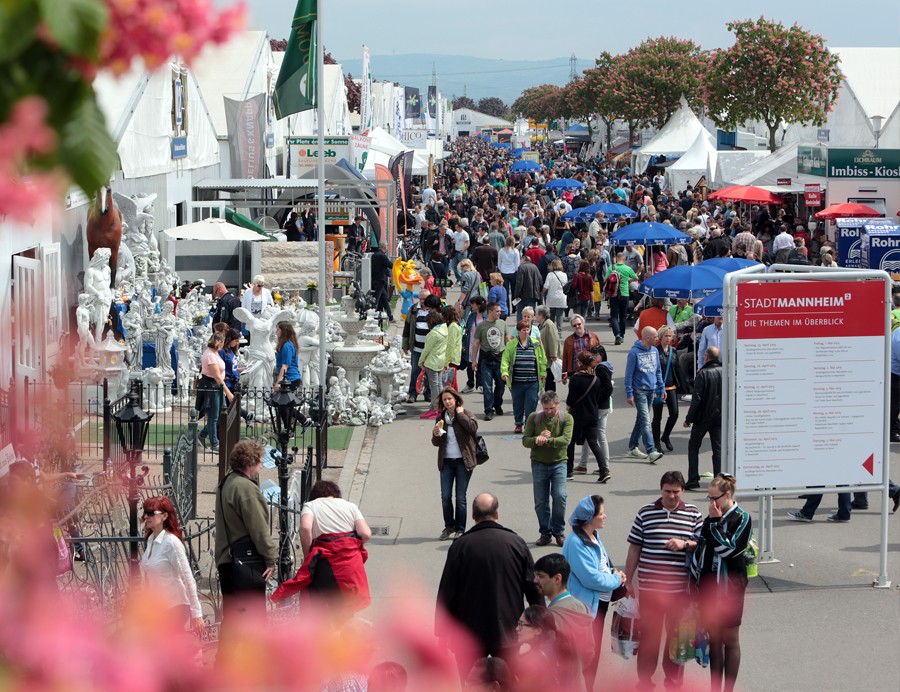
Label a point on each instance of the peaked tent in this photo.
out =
(698, 161)
(673, 139)
(384, 146)
(467, 120)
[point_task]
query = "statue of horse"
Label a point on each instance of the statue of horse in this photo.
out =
(104, 228)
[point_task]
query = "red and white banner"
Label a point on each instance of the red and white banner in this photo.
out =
(813, 194)
(810, 390)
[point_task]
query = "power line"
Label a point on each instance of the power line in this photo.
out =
(390, 77)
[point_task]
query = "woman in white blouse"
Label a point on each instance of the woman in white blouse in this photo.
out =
(167, 571)
(258, 297)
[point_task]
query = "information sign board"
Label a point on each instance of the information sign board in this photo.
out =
(810, 392)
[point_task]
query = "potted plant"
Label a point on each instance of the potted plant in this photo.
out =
(62, 373)
(312, 293)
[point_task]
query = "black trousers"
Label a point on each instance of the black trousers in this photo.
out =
(698, 432)
(672, 404)
(237, 604)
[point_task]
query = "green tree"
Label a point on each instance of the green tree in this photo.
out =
(491, 105)
(773, 74)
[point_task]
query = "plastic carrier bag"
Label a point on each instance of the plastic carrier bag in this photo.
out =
(683, 644)
(625, 633)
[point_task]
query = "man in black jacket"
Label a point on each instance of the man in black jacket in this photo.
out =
(225, 305)
(488, 576)
(705, 415)
(381, 274)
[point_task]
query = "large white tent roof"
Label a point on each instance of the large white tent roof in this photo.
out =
(874, 76)
(674, 138)
(779, 165)
(467, 119)
(385, 146)
(699, 160)
(730, 165)
(230, 69)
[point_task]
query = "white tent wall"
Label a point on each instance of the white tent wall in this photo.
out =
(336, 111)
(778, 165)
(473, 121)
(730, 165)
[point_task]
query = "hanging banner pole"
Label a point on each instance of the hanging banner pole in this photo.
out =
(320, 196)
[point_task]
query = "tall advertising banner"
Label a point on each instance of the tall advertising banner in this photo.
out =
(431, 109)
(413, 103)
(810, 398)
(365, 95)
(295, 88)
(401, 172)
(400, 110)
(385, 235)
(246, 122)
(359, 151)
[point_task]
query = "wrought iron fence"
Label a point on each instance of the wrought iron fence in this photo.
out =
(180, 472)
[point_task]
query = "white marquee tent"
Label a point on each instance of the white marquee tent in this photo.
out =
(384, 146)
(467, 120)
(673, 139)
(730, 165)
(698, 161)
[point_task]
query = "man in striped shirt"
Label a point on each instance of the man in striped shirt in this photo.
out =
(660, 535)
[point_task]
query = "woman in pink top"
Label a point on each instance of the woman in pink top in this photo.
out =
(660, 262)
(212, 375)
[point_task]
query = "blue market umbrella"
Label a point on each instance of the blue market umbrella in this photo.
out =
(730, 264)
(524, 167)
(685, 281)
(648, 233)
(711, 306)
(612, 212)
(564, 184)
(517, 152)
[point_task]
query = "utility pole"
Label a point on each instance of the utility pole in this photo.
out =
(433, 76)
(573, 67)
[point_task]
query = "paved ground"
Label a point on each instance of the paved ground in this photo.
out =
(811, 621)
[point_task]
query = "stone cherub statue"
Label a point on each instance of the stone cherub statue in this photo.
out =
(261, 347)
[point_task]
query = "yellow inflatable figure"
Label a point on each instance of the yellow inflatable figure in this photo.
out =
(405, 278)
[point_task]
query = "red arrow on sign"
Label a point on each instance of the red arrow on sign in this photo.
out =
(869, 464)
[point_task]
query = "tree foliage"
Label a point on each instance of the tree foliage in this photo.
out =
(540, 103)
(463, 102)
(773, 74)
(491, 105)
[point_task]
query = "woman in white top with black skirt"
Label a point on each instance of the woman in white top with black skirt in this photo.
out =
(167, 571)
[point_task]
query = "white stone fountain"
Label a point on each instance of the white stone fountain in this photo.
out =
(353, 355)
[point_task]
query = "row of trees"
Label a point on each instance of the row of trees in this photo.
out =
(489, 105)
(772, 74)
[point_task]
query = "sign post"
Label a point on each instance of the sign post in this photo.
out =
(810, 407)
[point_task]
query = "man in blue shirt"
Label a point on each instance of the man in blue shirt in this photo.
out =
(643, 377)
(711, 336)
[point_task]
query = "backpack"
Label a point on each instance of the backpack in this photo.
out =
(612, 285)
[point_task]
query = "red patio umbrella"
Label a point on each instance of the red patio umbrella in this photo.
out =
(847, 210)
(746, 193)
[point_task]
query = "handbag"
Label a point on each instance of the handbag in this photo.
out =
(481, 451)
(657, 396)
(247, 565)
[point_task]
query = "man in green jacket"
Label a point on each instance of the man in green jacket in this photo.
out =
(618, 305)
(547, 434)
(242, 517)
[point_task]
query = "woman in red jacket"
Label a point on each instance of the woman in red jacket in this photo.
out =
(583, 285)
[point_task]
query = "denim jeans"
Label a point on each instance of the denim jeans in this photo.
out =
(524, 399)
(522, 305)
(509, 283)
(492, 385)
(549, 481)
(581, 307)
(212, 420)
(603, 458)
(454, 470)
(641, 430)
(618, 315)
(414, 376)
(812, 504)
(454, 263)
(556, 314)
(434, 384)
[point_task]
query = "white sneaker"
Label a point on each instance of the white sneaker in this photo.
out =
(655, 456)
(636, 454)
(686, 397)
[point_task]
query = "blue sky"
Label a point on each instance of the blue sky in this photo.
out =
(530, 30)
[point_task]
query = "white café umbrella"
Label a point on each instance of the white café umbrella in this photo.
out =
(212, 229)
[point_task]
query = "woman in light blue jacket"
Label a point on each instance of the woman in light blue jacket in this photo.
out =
(593, 577)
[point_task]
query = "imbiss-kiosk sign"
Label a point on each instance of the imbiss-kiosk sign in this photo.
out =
(811, 383)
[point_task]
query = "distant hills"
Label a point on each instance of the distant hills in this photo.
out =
(505, 79)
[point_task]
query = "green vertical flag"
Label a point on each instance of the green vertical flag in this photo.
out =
(295, 89)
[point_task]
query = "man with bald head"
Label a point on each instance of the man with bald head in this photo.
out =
(488, 578)
(225, 305)
(643, 377)
(705, 416)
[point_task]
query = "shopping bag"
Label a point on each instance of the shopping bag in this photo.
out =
(420, 382)
(684, 638)
(701, 648)
(448, 378)
(626, 628)
(752, 555)
(598, 292)
(556, 369)
(63, 563)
